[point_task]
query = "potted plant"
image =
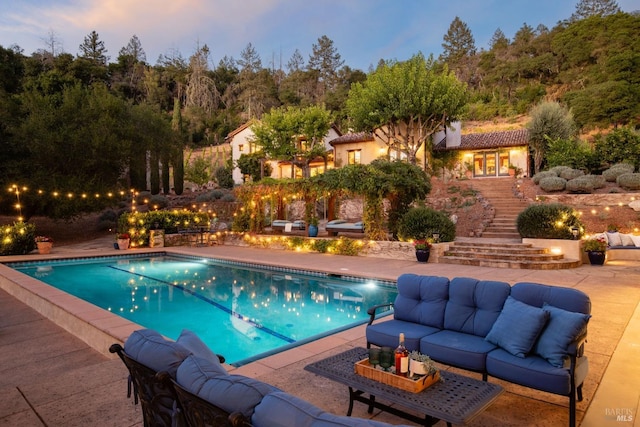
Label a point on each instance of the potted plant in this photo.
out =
(514, 170)
(423, 249)
(468, 166)
(123, 240)
(421, 364)
(596, 249)
(313, 226)
(44, 244)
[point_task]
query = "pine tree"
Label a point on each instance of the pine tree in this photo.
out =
(458, 43)
(93, 49)
(587, 8)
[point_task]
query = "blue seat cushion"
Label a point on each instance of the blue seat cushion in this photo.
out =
(198, 348)
(457, 349)
(229, 392)
(281, 409)
(154, 351)
(535, 372)
(564, 327)
(517, 327)
(387, 333)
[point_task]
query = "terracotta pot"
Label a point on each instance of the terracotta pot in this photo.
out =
(123, 244)
(44, 247)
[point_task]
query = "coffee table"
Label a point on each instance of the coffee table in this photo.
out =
(456, 400)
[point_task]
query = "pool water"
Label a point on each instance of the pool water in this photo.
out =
(238, 310)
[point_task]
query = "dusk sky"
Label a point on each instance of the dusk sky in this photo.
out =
(363, 31)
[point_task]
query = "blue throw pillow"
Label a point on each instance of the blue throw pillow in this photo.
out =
(564, 327)
(194, 344)
(517, 327)
(152, 350)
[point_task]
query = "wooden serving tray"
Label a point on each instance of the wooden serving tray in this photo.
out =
(414, 385)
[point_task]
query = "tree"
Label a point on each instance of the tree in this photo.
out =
(93, 49)
(295, 134)
(458, 43)
(201, 90)
(404, 103)
(498, 40)
(325, 61)
(198, 170)
(296, 63)
(253, 165)
(178, 153)
(549, 121)
(588, 8)
(134, 50)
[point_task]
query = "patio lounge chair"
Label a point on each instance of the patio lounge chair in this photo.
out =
(340, 225)
(287, 226)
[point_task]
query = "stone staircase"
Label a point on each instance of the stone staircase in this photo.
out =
(500, 244)
(500, 193)
(484, 253)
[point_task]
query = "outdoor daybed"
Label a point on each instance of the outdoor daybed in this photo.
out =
(340, 225)
(621, 246)
(529, 334)
(183, 383)
(287, 226)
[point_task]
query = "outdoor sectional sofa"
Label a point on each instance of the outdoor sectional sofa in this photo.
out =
(183, 383)
(529, 334)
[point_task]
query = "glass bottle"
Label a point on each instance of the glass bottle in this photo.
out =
(402, 358)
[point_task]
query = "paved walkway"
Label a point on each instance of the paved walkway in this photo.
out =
(49, 377)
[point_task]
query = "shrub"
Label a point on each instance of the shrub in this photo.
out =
(580, 185)
(569, 173)
(421, 223)
(142, 198)
(597, 181)
(553, 184)
(558, 170)
(552, 221)
(541, 175)
(224, 177)
(158, 201)
(229, 197)
(17, 239)
(629, 181)
(616, 170)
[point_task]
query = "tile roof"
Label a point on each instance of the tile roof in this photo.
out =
(475, 141)
(352, 137)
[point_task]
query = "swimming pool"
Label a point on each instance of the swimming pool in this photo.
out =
(240, 310)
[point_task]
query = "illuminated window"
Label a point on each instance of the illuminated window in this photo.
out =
(354, 157)
(241, 148)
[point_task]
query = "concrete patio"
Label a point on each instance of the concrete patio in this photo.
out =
(49, 377)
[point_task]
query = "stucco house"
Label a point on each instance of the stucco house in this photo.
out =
(484, 154)
(240, 140)
(488, 154)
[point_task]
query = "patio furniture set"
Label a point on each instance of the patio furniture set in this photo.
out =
(529, 334)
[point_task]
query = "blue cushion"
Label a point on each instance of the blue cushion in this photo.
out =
(154, 351)
(563, 328)
(194, 344)
(229, 392)
(457, 349)
(474, 305)
(517, 327)
(421, 299)
(565, 298)
(281, 409)
(386, 333)
(535, 372)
